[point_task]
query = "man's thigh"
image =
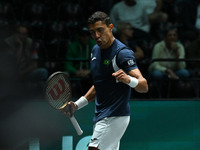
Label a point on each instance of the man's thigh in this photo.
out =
(108, 132)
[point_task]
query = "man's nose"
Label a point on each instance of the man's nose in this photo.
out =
(97, 35)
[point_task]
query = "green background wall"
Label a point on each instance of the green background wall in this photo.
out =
(155, 125)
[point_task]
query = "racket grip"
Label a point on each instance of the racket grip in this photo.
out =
(76, 125)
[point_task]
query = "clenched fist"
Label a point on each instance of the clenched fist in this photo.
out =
(121, 76)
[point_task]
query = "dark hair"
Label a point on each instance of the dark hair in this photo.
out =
(170, 28)
(99, 16)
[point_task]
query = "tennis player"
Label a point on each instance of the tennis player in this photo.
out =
(114, 73)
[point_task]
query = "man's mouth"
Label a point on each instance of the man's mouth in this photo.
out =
(99, 42)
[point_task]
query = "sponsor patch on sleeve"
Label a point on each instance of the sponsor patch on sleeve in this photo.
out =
(130, 62)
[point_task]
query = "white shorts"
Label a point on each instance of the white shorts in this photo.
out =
(108, 132)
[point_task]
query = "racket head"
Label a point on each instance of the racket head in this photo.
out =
(58, 90)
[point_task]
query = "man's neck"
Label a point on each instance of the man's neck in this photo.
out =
(109, 43)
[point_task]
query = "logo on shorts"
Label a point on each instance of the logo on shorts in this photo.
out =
(94, 139)
(130, 62)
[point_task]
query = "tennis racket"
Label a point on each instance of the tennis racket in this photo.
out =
(58, 93)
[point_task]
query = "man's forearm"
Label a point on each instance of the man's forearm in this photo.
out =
(90, 95)
(142, 86)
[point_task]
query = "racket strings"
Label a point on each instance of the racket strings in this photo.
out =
(58, 91)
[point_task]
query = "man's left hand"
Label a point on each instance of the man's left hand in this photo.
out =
(121, 76)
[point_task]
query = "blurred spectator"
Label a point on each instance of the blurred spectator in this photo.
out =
(166, 14)
(25, 51)
(197, 24)
(71, 12)
(169, 7)
(169, 48)
(165, 10)
(125, 33)
(141, 14)
(81, 48)
(132, 12)
(187, 17)
(194, 53)
(138, 13)
(154, 9)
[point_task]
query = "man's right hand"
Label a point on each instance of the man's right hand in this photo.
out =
(174, 47)
(69, 109)
(171, 74)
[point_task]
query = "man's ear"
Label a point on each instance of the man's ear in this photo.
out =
(111, 26)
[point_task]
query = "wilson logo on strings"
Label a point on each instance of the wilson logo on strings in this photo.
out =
(57, 90)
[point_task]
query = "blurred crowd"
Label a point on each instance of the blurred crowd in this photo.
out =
(39, 37)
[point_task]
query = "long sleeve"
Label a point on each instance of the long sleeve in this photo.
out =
(157, 53)
(160, 51)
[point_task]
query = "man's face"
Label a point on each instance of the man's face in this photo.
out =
(22, 33)
(102, 34)
(172, 36)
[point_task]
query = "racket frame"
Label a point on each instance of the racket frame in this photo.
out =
(66, 78)
(73, 119)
